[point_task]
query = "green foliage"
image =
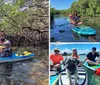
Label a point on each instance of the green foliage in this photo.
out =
(84, 7)
(16, 14)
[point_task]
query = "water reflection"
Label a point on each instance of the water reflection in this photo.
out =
(52, 24)
(5, 73)
(92, 37)
(61, 24)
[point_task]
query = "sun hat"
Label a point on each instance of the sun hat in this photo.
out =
(57, 49)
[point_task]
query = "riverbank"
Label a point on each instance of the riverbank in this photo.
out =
(91, 21)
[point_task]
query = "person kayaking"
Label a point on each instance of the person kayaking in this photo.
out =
(8, 49)
(56, 59)
(74, 18)
(2, 34)
(90, 58)
(75, 55)
(71, 17)
(2, 37)
(2, 40)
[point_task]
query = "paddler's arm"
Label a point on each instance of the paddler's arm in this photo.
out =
(78, 57)
(85, 59)
(62, 60)
(98, 56)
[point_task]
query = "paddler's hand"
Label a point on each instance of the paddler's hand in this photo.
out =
(97, 63)
(57, 66)
(63, 63)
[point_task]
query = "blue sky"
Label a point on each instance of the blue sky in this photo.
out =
(81, 48)
(61, 4)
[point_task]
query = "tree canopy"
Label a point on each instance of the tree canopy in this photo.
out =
(16, 15)
(84, 8)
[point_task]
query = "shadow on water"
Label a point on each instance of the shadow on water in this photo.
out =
(5, 73)
(61, 32)
(26, 72)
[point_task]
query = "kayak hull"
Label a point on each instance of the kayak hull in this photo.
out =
(64, 78)
(15, 58)
(93, 79)
(54, 80)
(84, 30)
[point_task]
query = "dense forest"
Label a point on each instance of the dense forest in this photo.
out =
(25, 22)
(84, 7)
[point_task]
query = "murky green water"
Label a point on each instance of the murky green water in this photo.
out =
(61, 32)
(29, 72)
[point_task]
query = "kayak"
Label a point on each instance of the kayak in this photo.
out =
(15, 57)
(64, 79)
(93, 79)
(92, 67)
(82, 78)
(83, 30)
(54, 79)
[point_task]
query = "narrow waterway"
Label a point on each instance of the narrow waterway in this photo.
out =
(29, 72)
(61, 32)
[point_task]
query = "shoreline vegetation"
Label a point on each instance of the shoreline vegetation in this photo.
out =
(25, 22)
(89, 10)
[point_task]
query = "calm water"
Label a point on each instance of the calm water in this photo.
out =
(61, 32)
(26, 72)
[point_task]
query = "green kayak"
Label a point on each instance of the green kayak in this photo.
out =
(93, 79)
(92, 67)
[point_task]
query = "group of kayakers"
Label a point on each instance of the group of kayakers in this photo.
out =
(57, 58)
(5, 45)
(75, 18)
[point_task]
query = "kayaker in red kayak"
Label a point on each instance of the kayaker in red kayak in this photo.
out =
(90, 58)
(56, 59)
